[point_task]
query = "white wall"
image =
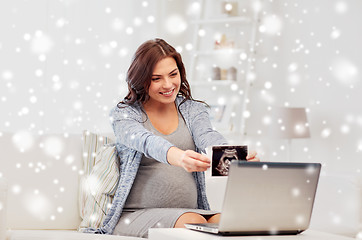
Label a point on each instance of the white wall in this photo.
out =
(330, 79)
(63, 63)
(316, 66)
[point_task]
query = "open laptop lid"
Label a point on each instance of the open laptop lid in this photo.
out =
(269, 197)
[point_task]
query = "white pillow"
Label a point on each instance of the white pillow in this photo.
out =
(100, 179)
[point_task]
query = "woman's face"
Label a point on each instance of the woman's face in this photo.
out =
(165, 82)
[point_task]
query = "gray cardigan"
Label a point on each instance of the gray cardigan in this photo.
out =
(133, 140)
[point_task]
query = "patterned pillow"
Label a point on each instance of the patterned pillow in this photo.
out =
(99, 182)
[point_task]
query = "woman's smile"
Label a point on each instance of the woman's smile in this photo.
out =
(168, 93)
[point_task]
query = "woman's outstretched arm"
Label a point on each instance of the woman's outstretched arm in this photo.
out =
(189, 160)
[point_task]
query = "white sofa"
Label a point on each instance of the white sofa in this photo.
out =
(43, 175)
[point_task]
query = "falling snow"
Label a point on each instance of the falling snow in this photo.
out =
(60, 75)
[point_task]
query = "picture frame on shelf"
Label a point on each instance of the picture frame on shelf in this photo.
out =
(230, 8)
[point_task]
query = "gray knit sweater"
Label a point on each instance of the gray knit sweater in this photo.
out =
(133, 140)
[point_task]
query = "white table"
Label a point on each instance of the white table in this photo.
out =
(186, 234)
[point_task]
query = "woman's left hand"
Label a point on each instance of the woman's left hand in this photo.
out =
(252, 157)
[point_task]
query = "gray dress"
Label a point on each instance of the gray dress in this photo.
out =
(161, 193)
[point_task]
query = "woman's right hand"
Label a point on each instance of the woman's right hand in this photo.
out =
(189, 160)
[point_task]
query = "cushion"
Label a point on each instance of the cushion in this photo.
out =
(99, 182)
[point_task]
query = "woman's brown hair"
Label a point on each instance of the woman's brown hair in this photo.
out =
(140, 72)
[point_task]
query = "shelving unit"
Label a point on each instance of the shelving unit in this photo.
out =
(222, 63)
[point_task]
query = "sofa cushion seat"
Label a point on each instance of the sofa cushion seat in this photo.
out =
(61, 235)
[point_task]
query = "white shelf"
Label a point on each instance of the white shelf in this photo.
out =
(233, 51)
(245, 20)
(213, 83)
(206, 56)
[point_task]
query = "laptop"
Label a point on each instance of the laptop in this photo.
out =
(266, 198)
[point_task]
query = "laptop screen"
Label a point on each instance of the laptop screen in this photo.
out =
(269, 196)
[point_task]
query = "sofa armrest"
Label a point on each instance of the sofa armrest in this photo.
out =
(338, 205)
